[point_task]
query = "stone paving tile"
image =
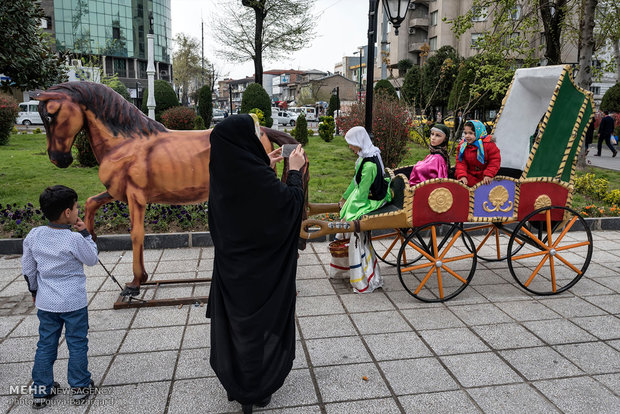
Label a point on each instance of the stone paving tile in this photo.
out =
(154, 339)
(197, 336)
(146, 397)
(433, 318)
(158, 316)
(194, 363)
(15, 374)
(473, 370)
(326, 326)
(124, 271)
(511, 399)
(403, 300)
(175, 266)
(345, 382)
(336, 351)
(318, 305)
(453, 341)
(97, 365)
(579, 395)
(592, 357)
(612, 282)
(18, 349)
(483, 314)
(101, 320)
(404, 376)
(527, 310)
(296, 390)
(609, 303)
(604, 327)
(501, 292)
(187, 253)
(314, 287)
(540, 363)
(99, 343)
(199, 396)
(141, 367)
(29, 326)
(367, 303)
(105, 301)
(380, 322)
(311, 272)
(447, 402)
(384, 406)
(588, 287)
(611, 381)
(506, 335)
(300, 360)
(558, 331)
(8, 324)
(397, 345)
(572, 307)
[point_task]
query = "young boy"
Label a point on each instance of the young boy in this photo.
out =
(52, 264)
(478, 158)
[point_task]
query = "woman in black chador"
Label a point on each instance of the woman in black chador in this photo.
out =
(254, 221)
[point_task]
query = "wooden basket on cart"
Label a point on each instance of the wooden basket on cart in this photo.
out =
(441, 227)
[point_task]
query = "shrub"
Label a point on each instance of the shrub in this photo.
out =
(389, 123)
(179, 117)
(611, 99)
(199, 123)
(385, 87)
(85, 156)
(612, 197)
(334, 105)
(9, 109)
(37, 130)
(301, 129)
(164, 98)
(256, 97)
(310, 132)
(326, 128)
(117, 86)
(205, 105)
(259, 114)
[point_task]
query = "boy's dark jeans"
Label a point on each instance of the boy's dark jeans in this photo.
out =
(50, 328)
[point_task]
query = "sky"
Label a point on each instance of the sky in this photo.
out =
(341, 27)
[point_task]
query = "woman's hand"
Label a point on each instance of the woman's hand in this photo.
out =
(463, 180)
(297, 160)
(487, 180)
(275, 157)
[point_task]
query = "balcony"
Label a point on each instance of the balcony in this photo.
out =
(416, 46)
(420, 1)
(419, 22)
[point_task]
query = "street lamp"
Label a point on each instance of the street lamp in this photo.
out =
(396, 10)
(230, 96)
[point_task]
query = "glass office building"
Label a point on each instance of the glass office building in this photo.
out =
(116, 31)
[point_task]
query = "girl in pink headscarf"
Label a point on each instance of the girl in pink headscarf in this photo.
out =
(437, 163)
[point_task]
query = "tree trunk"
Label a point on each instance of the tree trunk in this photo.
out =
(584, 76)
(616, 45)
(552, 14)
(258, 46)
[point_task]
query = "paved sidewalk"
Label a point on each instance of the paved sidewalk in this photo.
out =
(493, 349)
(605, 160)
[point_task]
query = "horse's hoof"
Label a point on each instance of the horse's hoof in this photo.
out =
(130, 291)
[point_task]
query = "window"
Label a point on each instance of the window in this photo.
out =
(23, 108)
(109, 70)
(120, 68)
(479, 14)
(475, 37)
(116, 32)
(434, 18)
(516, 13)
(513, 37)
(433, 43)
(33, 108)
(595, 90)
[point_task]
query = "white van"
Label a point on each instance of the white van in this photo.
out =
(308, 111)
(29, 113)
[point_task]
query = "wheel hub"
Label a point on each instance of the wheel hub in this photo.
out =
(552, 252)
(438, 263)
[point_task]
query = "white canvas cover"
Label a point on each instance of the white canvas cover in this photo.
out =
(527, 101)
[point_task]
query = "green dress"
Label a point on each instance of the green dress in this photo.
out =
(357, 203)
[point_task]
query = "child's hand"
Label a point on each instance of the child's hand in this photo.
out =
(463, 180)
(79, 225)
(487, 180)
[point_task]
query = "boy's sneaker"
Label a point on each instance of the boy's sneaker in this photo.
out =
(81, 394)
(42, 402)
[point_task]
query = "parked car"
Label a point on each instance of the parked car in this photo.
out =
(284, 117)
(219, 115)
(29, 113)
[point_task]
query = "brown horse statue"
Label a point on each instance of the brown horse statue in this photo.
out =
(140, 161)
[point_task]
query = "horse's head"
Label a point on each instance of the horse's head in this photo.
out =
(63, 119)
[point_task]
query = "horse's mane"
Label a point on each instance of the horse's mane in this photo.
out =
(279, 137)
(120, 116)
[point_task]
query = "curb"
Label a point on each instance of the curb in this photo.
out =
(203, 239)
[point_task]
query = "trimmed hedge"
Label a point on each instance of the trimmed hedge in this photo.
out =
(256, 97)
(165, 98)
(9, 109)
(205, 104)
(179, 118)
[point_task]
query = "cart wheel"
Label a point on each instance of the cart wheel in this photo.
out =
(551, 260)
(446, 266)
(388, 244)
(492, 240)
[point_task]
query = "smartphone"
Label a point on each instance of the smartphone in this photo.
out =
(287, 149)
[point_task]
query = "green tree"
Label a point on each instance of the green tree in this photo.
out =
(117, 85)
(607, 33)
(205, 104)
(412, 88)
(403, 66)
(334, 105)
(255, 96)
(164, 98)
(301, 129)
(263, 28)
(186, 61)
(25, 54)
(438, 75)
(384, 86)
(611, 99)
(8, 113)
(326, 128)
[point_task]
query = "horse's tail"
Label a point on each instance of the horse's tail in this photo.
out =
(282, 138)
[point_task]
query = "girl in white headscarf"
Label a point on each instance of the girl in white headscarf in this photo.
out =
(369, 188)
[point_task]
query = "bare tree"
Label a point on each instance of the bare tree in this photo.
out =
(263, 29)
(187, 64)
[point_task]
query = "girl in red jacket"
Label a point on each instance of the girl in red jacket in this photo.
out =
(478, 158)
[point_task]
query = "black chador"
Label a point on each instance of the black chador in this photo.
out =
(254, 221)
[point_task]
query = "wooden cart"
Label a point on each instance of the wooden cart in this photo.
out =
(436, 231)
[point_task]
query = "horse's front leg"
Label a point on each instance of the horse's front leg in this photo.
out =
(137, 207)
(92, 205)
